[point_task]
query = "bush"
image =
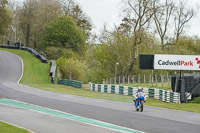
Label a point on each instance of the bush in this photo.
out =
(54, 52)
(67, 53)
(195, 100)
(72, 69)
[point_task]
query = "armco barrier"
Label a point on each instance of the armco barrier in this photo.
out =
(52, 71)
(73, 83)
(163, 95)
(30, 50)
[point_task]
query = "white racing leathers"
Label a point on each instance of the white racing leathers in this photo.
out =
(138, 94)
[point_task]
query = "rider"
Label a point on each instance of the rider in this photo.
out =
(138, 96)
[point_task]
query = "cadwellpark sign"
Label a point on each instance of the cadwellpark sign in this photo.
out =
(177, 62)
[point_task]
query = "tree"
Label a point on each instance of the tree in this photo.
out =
(69, 68)
(5, 19)
(46, 11)
(72, 69)
(162, 19)
(67, 6)
(116, 47)
(34, 16)
(139, 13)
(71, 8)
(183, 14)
(82, 20)
(63, 32)
(25, 21)
(3, 3)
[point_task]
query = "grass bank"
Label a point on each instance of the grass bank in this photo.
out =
(36, 75)
(35, 72)
(6, 128)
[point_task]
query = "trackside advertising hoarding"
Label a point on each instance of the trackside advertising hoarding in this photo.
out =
(177, 62)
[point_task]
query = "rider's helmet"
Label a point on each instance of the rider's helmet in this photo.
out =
(140, 89)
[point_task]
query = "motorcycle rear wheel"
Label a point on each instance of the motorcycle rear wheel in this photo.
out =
(141, 106)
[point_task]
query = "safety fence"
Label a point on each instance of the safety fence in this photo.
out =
(52, 71)
(164, 95)
(30, 50)
(151, 79)
(73, 83)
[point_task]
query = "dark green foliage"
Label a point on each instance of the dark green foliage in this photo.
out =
(196, 100)
(54, 52)
(66, 42)
(64, 33)
(81, 20)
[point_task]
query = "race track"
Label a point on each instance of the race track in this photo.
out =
(152, 120)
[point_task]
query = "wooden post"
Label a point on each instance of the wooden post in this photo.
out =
(162, 78)
(150, 79)
(133, 79)
(168, 79)
(123, 80)
(176, 85)
(156, 80)
(139, 79)
(144, 79)
(128, 79)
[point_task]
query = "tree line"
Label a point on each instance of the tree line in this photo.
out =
(62, 30)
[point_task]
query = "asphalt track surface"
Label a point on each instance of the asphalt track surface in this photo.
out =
(152, 120)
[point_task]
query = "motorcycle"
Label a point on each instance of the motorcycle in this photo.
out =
(140, 101)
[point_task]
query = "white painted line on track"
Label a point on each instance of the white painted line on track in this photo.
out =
(22, 69)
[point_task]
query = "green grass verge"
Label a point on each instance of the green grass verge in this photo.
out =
(35, 72)
(36, 75)
(6, 128)
(196, 100)
(190, 107)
